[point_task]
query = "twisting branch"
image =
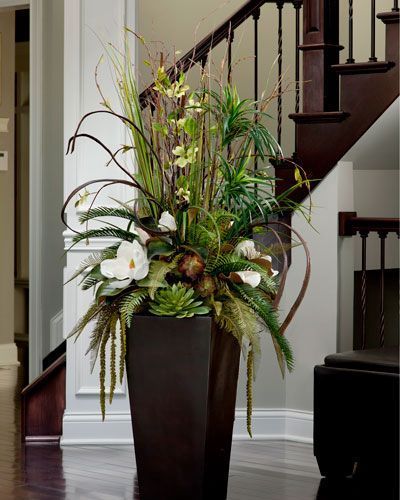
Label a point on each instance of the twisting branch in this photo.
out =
(108, 182)
(307, 273)
(71, 142)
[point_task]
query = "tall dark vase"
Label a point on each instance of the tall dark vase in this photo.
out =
(182, 378)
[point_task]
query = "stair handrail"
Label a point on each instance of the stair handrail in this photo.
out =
(202, 49)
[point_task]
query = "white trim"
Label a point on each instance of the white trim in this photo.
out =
(88, 428)
(274, 424)
(267, 424)
(56, 330)
(35, 188)
(8, 355)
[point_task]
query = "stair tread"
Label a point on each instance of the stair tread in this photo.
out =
(363, 67)
(320, 117)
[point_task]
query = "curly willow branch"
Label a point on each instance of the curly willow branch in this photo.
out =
(82, 186)
(71, 142)
(306, 279)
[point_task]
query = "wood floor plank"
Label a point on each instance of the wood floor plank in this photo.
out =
(260, 470)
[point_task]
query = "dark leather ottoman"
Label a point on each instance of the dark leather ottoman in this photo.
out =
(356, 412)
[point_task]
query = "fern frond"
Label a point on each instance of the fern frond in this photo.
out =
(90, 281)
(130, 304)
(264, 309)
(94, 213)
(90, 314)
(104, 232)
(93, 260)
(101, 325)
(237, 318)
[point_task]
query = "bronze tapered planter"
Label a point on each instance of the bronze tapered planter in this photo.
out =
(182, 377)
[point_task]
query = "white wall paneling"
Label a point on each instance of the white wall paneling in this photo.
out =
(89, 24)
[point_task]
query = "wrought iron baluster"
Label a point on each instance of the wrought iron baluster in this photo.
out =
(373, 9)
(297, 6)
(256, 17)
(364, 236)
(279, 5)
(395, 6)
(382, 236)
(350, 58)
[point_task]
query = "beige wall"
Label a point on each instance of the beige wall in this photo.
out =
(7, 30)
(175, 23)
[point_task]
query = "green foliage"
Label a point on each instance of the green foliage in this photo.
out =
(104, 232)
(264, 309)
(94, 260)
(230, 263)
(157, 273)
(89, 316)
(177, 301)
(130, 304)
(237, 318)
(97, 212)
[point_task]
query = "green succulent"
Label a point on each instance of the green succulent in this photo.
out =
(177, 301)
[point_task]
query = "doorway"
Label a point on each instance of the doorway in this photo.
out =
(21, 187)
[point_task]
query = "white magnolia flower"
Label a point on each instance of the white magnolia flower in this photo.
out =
(251, 278)
(247, 249)
(143, 236)
(167, 222)
(130, 263)
(268, 258)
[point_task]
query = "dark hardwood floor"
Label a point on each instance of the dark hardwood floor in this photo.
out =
(260, 470)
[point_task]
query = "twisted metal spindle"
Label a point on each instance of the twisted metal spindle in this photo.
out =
(280, 52)
(350, 58)
(382, 236)
(256, 17)
(364, 236)
(373, 9)
(297, 6)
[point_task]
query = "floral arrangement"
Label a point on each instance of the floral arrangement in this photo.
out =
(197, 164)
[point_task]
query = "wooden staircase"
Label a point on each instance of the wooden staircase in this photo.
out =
(334, 119)
(340, 101)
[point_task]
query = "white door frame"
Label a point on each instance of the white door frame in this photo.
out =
(35, 188)
(35, 180)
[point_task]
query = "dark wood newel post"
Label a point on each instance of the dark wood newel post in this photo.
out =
(320, 50)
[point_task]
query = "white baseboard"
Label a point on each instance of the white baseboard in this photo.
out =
(88, 428)
(56, 330)
(8, 355)
(271, 424)
(274, 424)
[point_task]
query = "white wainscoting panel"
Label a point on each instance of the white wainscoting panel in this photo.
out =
(89, 26)
(56, 330)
